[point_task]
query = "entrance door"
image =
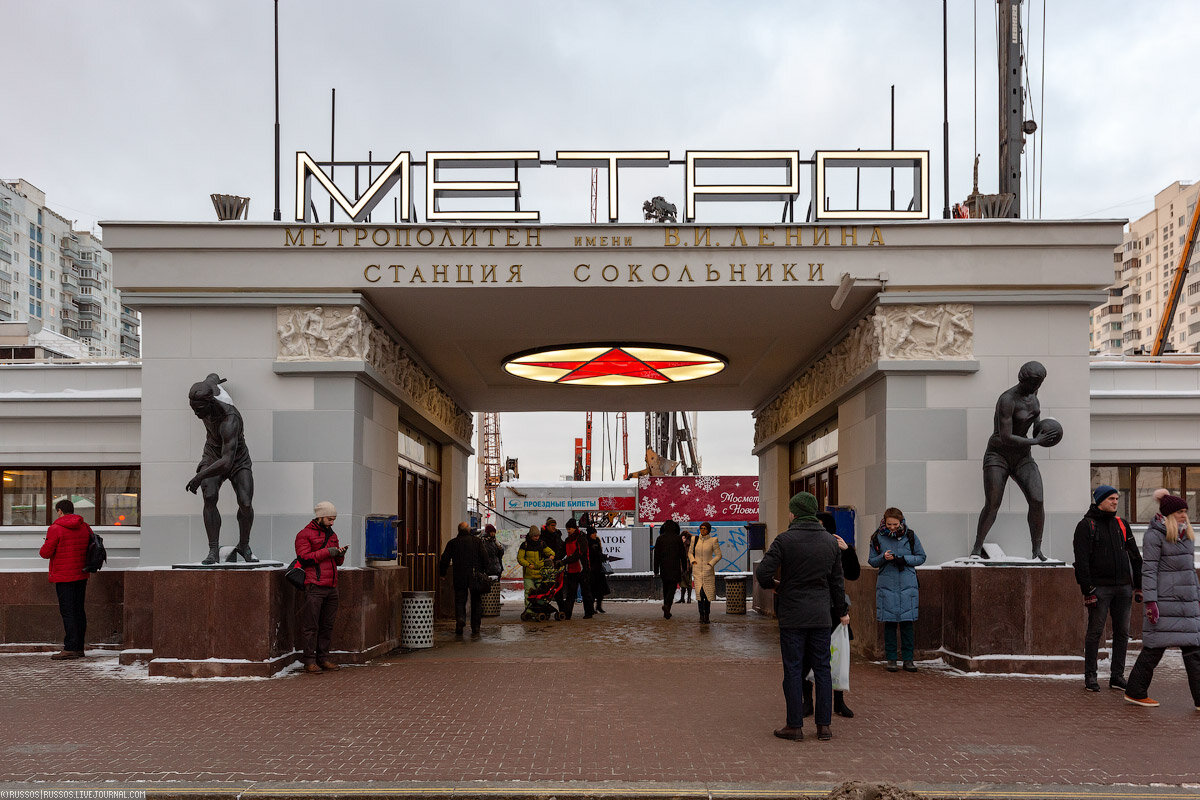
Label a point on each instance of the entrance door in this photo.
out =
(420, 520)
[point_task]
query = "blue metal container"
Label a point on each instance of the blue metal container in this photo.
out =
(381, 537)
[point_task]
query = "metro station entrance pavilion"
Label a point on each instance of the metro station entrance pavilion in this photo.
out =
(339, 340)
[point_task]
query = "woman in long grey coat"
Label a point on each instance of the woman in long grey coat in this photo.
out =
(1172, 596)
(896, 552)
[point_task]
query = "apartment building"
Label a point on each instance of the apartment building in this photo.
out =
(1143, 268)
(60, 277)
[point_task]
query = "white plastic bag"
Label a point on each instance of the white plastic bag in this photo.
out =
(839, 658)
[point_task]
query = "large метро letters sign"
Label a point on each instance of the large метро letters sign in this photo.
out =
(399, 170)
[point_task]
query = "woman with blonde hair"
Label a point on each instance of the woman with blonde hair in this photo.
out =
(704, 555)
(1172, 597)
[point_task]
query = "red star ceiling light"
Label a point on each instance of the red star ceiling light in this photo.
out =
(613, 365)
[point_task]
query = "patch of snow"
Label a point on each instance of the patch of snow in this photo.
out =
(134, 393)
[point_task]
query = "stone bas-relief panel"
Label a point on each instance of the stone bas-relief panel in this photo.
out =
(926, 332)
(939, 332)
(313, 333)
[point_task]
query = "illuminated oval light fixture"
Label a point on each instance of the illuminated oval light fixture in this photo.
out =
(613, 365)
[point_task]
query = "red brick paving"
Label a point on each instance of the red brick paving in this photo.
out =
(627, 696)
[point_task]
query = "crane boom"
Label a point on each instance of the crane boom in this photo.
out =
(1164, 324)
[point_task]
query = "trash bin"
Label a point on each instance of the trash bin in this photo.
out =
(735, 594)
(416, 620)
(491, 601)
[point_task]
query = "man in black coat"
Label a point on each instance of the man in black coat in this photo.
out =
(809, 594)
(466, 552)
(1108, 569)
(668, 559)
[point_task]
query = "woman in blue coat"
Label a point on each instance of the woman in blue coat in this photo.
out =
(896, 552)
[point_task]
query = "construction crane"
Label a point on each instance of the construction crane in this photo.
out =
(623, 427)
(489, 458)
(670, 435)
(1164, 324)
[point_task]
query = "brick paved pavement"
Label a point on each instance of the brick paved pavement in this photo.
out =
(627, 696)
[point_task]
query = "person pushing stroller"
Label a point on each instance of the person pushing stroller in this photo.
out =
(536, 559)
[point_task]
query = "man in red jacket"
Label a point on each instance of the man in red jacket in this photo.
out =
(317, 548)
(66, 547)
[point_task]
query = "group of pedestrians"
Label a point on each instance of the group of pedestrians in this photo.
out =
(807, 566)
(683, 560)
(579, 557)
(1114, 576)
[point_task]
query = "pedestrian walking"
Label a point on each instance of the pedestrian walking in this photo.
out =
(494, 551)
(704, 557)
(667, 562)
(1108, 569)
(466, 553)
(576, 557)
(851, 569)
(685, 570)
(66, 548)
(534, 556)
(1172, 596)
(318, 549)
(896, 552)
(809, 595)
(599, 568)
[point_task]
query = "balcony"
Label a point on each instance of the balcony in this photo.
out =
(129, 318)
(88, 278)
(5, 278)
(89, 333)
(5, 255)
(6, 215)
(130, 339)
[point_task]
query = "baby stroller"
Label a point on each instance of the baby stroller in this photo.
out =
(538, 603)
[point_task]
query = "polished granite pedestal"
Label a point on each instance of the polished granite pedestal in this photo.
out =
(245, 622)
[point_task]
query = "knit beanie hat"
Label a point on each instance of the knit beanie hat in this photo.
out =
(1168, 503)
(1103, 491)
(803, 506)
(324, 509)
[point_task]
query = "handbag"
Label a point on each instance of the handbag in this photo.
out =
(606, 567)
(295, 574)
(480, 581)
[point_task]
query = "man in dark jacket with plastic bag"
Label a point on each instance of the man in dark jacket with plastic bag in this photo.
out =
(809, 594)
(1108, 569)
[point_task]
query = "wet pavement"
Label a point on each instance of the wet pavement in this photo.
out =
(627, 696)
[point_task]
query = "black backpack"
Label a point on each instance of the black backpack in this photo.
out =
(96, 554)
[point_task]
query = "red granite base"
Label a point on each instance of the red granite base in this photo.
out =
(216, 623)
(994, 619)
(29, 617)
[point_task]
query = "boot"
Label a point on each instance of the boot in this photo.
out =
(839, 705)
(242, 550)
(328, 665)
(214, 554)
(824, 734)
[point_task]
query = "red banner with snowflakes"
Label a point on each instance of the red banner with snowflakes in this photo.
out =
(698, 498)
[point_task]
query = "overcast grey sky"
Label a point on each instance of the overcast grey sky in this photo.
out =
(139, 109)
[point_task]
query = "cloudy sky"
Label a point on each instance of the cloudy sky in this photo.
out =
(139, 109)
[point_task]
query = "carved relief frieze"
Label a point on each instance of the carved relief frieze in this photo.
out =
(308, 333)
(894, 333)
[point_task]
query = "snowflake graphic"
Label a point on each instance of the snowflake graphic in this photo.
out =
(672, 504)
(648, 509)
(644, 482)
(738, 484)
(710, 510)
(658, 481)
(685, 489)
(707, 483)
(680, 518)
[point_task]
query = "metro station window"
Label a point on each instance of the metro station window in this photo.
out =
(23, 494)
(102, 496)
(1135, 483)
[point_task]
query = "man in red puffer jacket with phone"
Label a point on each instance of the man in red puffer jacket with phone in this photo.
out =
(66, 547)
(317, 548)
